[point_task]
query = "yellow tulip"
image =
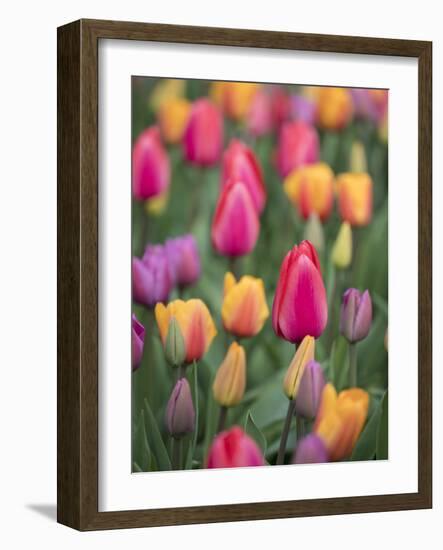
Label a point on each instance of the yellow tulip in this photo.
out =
(358, 161)
(342, 250)
(235, 98)
(173, 117)
(230, 380)
(334, 108)
(244, 309)
(195, 322)
(355, 198)
(303, 355)
(157, 205)
(340, 420)
(164, 90)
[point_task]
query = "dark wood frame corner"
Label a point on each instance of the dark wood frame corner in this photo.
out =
(77, 456)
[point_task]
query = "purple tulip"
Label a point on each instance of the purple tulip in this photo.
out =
(151, 278)
(355, 315)
(138, 340)
(304, 109)
(310, 450)
(180, 413)
(310, 389)
(184, 260)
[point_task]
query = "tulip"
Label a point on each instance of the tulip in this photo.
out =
(165, 90)
(259, 117)
(310, 390)
(203, 136)
(304, 108)
(298, 145)
(358, 162)
(355, 315)
(281, 106)
(335, 108)
(175, 350)
(314, 233)
(244, 309)
(237, 98)
(155, 206)
(230, 380)
(355, 198)
(340, 420)
(150, 165)
(370, 104)
(241, 164)
(300, 306)
(172, 118)
(312, 189)
(341, 254)
(310, 450)
(138, 340)
(151, 280)
(184, 260)
(195, 322)
(233, 449)
(180, 413)
(235, 226)
(294, 374)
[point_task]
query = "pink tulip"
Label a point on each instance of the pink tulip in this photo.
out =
(150, 165)
(203, 137)
(259, 117)
(138, 341)
(300, 306)
(235, 226)
(298, 145)
(240, 163)
(233, 449)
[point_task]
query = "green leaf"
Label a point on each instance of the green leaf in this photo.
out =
(193, 443)
(366, 443)
(155, 440)
(252, 430)
(136, 468)
(141, 453)
(382, 432)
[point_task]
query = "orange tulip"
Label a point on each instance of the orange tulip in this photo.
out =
(335, 109)
(195, 322)
(172, 117)
(340, 419)
(235, 98)
(244, 309)
(311, 188)
(354, 192)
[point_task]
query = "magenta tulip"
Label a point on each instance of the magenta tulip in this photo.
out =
(300, 306)
(203, 136)
(310, 450)
(235, 226)
(355, 315)
(241, 164)
(151, 276)
(298, 145)
(233, 449)
(184, 260)
(138, 340)
(310, 389)
(150, 165)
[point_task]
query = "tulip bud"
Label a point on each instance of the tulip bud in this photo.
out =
(230, 380)
(294, 374)
(180, 413)
(310, 390)
(340, 420)
(310, 450)
(241, 164)
(314, 232)
(354, 193)
(358, 161)
(355, 315)
(298, 145)
(341, 255)
(235, 226)
(184, 260)
(233, 449)
(175, 350)
(203, 136)
(300, 306)
(244, 309)
(172, 118)
(335, 108)
(138, 340)
(150, 165)
(194, 321)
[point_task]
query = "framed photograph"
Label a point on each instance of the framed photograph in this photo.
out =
(244, 275)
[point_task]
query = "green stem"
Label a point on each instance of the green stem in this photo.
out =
(196, 196)
(353, 365)
(235, 266)
(285, 432)
(222, 418)
(181, 372)
(301, 426)
(177, 448)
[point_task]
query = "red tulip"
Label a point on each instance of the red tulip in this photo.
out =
(235, 226)
(281, 106)
(300, 306)
(203, 137)
(240, 163)
(150, 165)
(233, 449)
(298, 145)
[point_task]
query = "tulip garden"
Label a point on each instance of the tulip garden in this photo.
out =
(259, 274)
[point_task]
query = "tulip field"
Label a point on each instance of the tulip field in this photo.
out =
(259, 274)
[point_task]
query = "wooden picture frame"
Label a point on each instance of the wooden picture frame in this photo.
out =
(77, 455)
